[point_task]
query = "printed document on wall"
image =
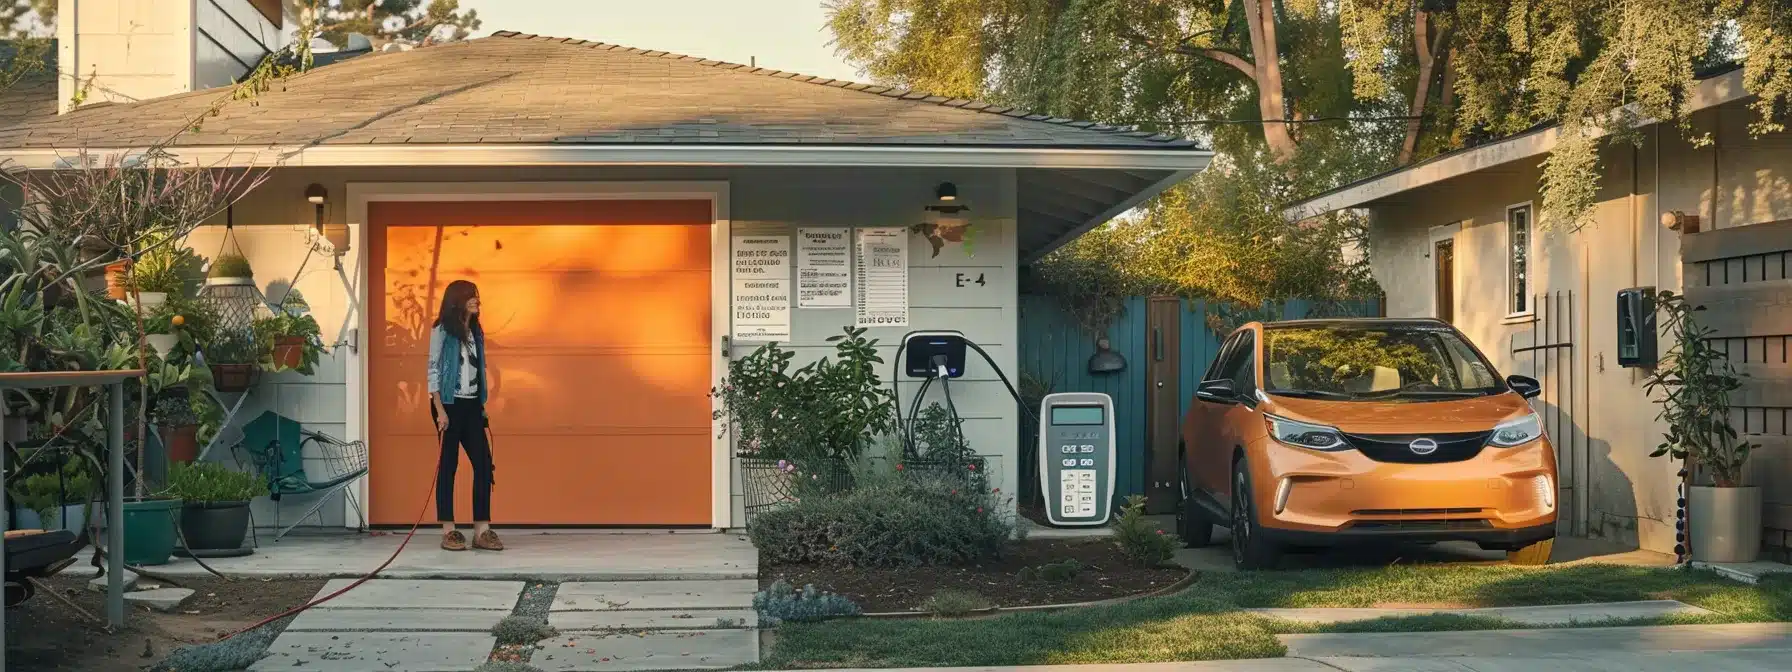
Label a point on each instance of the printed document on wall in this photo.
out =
(881, 294)
(761, 282)
(823, 268)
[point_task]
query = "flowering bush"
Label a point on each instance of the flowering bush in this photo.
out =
(824, 410)
(1139, 539)
(901, 521)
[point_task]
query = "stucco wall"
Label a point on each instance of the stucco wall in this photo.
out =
(1615, 490)
(269, 227)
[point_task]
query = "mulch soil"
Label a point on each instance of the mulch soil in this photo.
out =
(43, 634)
(1105, 574)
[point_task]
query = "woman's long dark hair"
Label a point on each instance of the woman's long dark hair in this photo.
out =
(453, 316)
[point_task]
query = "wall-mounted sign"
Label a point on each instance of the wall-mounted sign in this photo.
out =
(881, 291)
(761, 282)
(823, 268)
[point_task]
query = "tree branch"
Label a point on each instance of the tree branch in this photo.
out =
(1231, 59)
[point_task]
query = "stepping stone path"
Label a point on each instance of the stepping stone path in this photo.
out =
(443, 626)
(160, 599)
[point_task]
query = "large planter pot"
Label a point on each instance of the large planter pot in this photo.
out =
(214, 526)
(289, 352)
(1725, 522)
(233, 377)
(150, 300)
(149, 531)
(115, 281)
(182, 443)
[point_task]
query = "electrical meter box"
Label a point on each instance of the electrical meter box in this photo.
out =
(1636, 327)
(1076, 457)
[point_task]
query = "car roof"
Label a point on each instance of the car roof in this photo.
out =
(1361, 322)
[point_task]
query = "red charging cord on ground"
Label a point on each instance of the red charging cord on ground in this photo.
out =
(435, 420)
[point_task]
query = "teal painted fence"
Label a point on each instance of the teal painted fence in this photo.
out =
(1054, 354)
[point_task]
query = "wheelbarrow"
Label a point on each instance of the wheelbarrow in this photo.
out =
(36, 554)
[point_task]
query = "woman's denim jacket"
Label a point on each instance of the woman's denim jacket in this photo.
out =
(444, 371)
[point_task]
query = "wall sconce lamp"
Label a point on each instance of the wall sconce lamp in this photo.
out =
(946, 195)
(336, 236)
(1676, 220)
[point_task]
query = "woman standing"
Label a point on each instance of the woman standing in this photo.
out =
(457, 388)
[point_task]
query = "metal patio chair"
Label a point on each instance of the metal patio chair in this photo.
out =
(276, 445)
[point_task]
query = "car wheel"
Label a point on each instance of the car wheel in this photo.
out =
(1536, 554)
(1192, 523)
(1249, 549)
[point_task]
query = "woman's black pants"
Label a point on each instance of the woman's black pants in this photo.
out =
(466, 429)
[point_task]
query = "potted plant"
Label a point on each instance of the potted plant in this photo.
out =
(117, 286)
(232, 359)
(215, 510)
(230, 269)
(179, 427)
(1695, 381)
(290, 338)
(56, 500)
(163, 272)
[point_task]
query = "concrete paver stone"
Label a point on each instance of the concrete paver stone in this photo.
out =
(422, 594)
(636, 595)
(332, 619)
(160, 599)
(625, 652)
(99, 584)
(369, 651)
(659, 619)
(1546, 642)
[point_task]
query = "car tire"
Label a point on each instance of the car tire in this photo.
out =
(1534, 555)
(1192, 522)
(1250, 551)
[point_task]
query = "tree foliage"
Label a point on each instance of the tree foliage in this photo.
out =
(405, 22)
(1299, 96)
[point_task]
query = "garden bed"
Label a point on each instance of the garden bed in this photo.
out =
(1104, 574)
(43, 634)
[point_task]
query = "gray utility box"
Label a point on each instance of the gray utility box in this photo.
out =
(1076, 458)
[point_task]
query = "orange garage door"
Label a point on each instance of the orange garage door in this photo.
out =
(597, 321)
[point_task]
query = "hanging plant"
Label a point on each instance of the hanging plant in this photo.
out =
(230, 269)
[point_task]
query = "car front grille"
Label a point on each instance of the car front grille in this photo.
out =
(1397, 448)
(1414, 512)
(1422, 525)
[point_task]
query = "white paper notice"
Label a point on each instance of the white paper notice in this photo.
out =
(823, 274)
(761, 288)
(882, 282)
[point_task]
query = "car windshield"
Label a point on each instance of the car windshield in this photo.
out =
(1374, 362)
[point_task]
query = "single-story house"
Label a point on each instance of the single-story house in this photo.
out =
(602, 196)
(1462, 237)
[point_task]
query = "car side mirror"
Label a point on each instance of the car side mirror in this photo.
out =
(1525, 386)
(1217, 391)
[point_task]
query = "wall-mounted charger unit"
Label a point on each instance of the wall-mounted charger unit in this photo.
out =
(927, 351)
(1636, 327)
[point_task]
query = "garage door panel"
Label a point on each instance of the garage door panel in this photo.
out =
(637, 482)
(598, 331)
(496, 249)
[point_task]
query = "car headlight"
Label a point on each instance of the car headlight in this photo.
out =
(1305, 435)
(1517, 432)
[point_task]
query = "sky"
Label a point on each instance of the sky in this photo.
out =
(786, 35)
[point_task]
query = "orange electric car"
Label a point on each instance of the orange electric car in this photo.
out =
(1316, 433)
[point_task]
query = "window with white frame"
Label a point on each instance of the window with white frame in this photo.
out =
(1518, 259)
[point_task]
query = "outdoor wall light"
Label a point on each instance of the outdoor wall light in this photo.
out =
(947, 202)
(336, 236)
(946, 192)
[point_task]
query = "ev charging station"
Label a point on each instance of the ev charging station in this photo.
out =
(1076, 457)
(1076, 429)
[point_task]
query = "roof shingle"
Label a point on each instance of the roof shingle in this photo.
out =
(514, 88)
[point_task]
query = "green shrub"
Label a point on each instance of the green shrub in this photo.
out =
(1139, 539)
(829, 409)
(779, 602)
(955, 603)
(230, 265)
(904, 521)
(1064, 571)
(515, 629)
(206, 482)
(174, 411)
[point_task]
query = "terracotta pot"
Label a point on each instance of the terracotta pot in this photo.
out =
(115, 280)
(233, 377)
(289, 352)
(181, 443)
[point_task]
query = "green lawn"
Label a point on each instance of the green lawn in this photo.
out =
(1203, 622)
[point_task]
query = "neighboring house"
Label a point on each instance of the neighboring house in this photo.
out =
(130, 50)
(596, 193)
(1462, 237)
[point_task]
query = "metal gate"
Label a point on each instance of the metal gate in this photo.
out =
(1550, 358)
